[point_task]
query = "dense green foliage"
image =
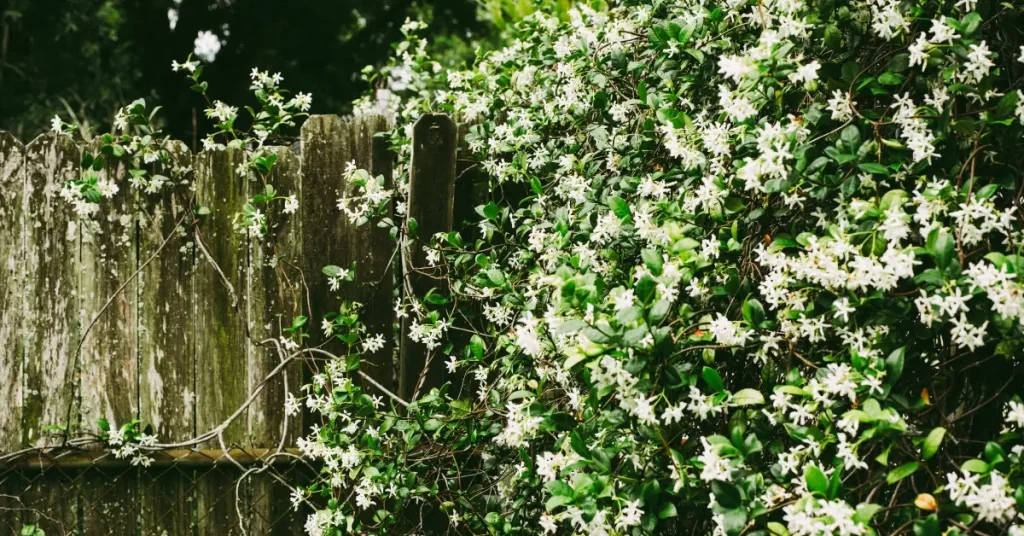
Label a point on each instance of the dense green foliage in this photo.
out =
(742, 268)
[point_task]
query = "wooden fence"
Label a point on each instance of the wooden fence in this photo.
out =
(167, 341)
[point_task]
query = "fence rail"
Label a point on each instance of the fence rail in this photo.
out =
(155, 320)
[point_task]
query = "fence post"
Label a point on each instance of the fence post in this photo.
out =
(167, 343)
(431, 199)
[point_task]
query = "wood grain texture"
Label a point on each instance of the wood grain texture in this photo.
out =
(12, 302)
(167, 342)
(373, 251)
(431, 199)
(12, 298)
(220, 332)
(51, 322)
(275, 298)
(51, 309)
(109, 361)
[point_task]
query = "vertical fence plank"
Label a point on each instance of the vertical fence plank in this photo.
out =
(372, 250)
(166, 346)
(51, 325)
(220, 337)
(276, 298)
(325, 153)
(109, 358)
(431, 198)
(12, 347)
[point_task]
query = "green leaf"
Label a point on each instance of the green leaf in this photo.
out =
(332, 270)
(928, 526)
(874, 168)
(477, 346)
(668, 510)
(491, 211)
(894, 365)
(535, 185)
(579, 446)
(726, 494)
(890, 79)
(748, 397)
(865, 512)
(816, 480)
(970, 23)
(901, 472)
(932, 442)
(850, 136)
(943, 248)
(653, 261)
(712, 378)
(987, 191)
(753, 312)
(974, 466)
(619, 206)
(833, 37)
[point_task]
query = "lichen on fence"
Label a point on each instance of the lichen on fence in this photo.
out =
(166, 314)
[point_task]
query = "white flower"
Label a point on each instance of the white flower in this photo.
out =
(624, 300)
(547, 523)
(1014, 414)
(451, 364)
(840, 107)
(630, 515)
(374, 343)
(805, 73)
(290, 205)
(843, 309)
(736, 67)
(206, 46)
(56, 125)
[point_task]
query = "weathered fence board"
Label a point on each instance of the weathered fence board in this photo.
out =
(166, 343)
(221, 345)
(109, 363)
(431, 199)
(174, 340)
(12, 345)
(50, 321)
(12, 250)
(367, 246)
(275, 299)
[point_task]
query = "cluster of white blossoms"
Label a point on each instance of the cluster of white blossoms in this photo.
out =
(992, 501)
(733, 243)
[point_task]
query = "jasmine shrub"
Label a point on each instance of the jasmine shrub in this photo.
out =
(745, 268)
(763, 279)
